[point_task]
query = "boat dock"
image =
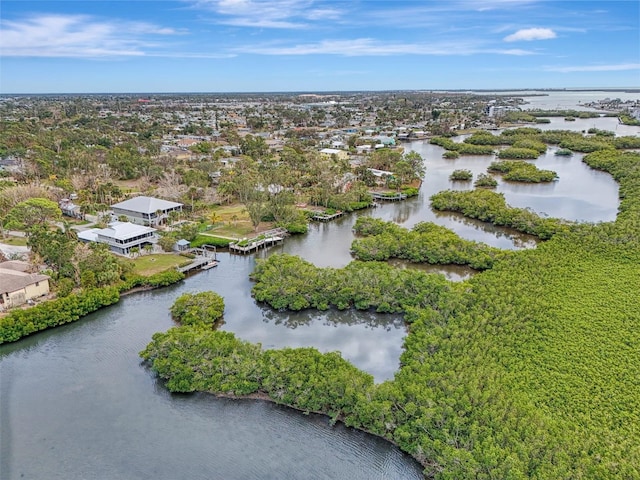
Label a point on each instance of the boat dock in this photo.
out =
(377, 196)
(323, 217)
(205, 258)
(264, 240)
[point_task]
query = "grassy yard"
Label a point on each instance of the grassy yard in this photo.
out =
(15, 241)
(233, 222)
(229, 230)
(150, 264)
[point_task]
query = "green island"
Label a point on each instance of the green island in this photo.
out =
(519, 171)
(426, 242)
(462, 175)
(491, 207)
(528, 370)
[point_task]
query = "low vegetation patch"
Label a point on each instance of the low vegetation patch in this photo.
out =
(201, 309)
(425, 243)
(518, 153)
(485, 181)
(491, 207)
(461, 175)
(520, 171)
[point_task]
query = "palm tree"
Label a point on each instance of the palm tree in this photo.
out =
(214, 218)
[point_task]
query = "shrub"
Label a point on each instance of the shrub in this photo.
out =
(461, 175)
(564, 152)
(201, 240)
(518, 153)
(204, 308)
(519, 171)
(485, 181)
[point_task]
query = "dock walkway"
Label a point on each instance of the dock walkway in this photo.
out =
(205, 257)
(264, 240)
(388, 198)
(323, 217)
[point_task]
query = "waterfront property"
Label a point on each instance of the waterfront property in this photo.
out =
(148, 211)
(121, 236)
(18, 286)
(264, 240)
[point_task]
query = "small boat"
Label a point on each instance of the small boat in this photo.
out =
(211, 264)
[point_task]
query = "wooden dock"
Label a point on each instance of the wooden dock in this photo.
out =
(377, 196)
(205, 258)
(323, 217)
(264, 240)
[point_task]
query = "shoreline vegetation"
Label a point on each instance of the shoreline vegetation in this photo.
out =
(527, 370)
(492, 380)
(70, 308)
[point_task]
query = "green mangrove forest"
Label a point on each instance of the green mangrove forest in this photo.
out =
(426, 242)
(519, 171)
(528, 370)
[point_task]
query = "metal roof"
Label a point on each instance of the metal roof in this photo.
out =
(124, 230)
(146, 204)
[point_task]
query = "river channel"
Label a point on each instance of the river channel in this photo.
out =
(76, 403)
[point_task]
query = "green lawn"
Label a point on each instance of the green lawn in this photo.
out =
(15, 241)
(229, 230)
(150, 264)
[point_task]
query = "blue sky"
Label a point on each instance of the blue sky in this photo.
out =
(305, 45)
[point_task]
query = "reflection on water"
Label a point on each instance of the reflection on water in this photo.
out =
(334, 318)
(454, 273)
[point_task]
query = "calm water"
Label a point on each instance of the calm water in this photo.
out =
(75, 402)
(566, 100)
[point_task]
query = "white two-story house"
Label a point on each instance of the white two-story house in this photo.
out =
(121, 236)
(148, 211)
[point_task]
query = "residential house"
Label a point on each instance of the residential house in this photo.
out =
(148, 211)
(18, 286)
(121, 236)
(340, 154)
(70, 209)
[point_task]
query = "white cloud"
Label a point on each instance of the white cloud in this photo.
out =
(361, 47)
(284, 14)
(76, 36)
(595, 68)
(529, 34)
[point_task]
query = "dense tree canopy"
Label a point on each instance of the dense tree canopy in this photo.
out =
(204, 308)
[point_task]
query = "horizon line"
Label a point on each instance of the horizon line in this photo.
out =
(326, 92)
